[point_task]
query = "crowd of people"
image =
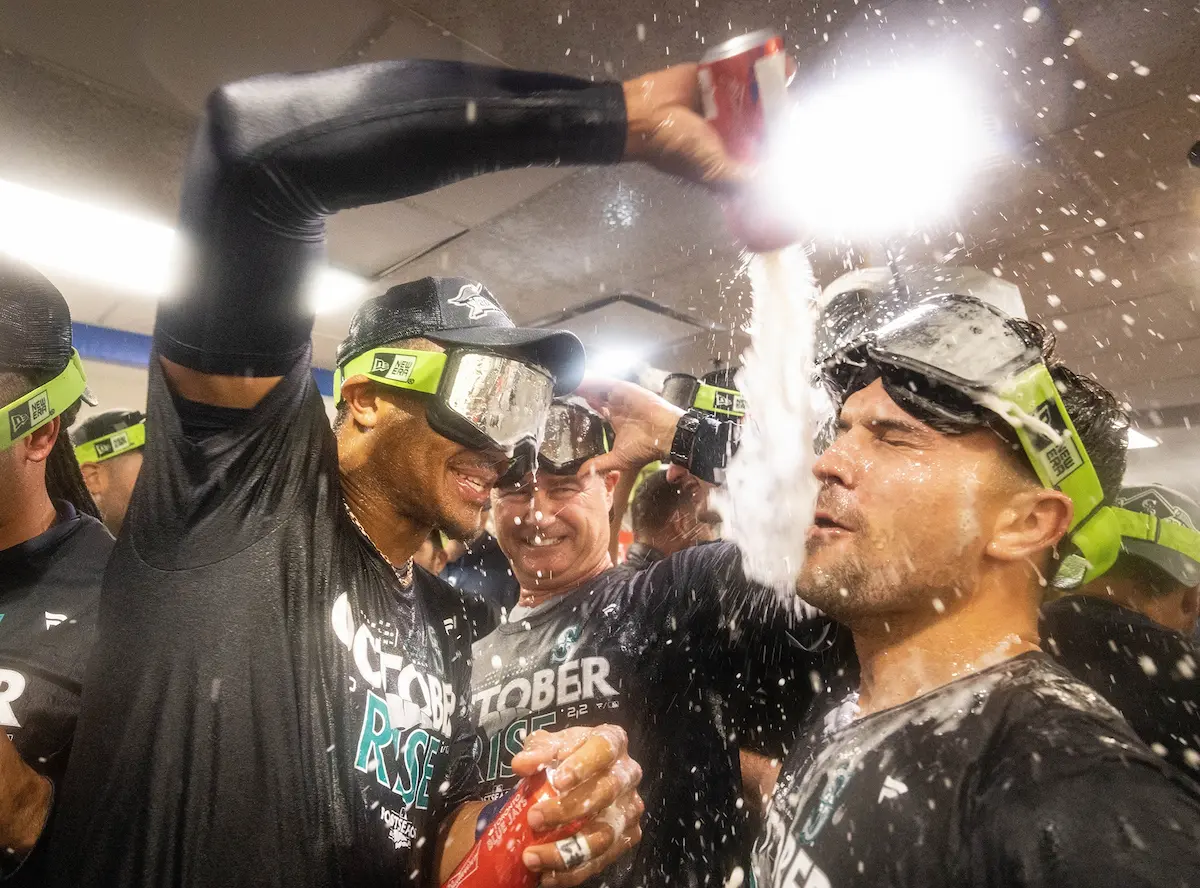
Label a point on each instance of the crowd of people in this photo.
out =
(227, 656)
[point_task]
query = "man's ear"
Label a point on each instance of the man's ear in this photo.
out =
(1191, 606)
(93, 477)
(1033, 521)
(362, 400)
(39, 444)
(610, 484)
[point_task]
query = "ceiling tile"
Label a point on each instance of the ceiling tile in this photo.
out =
(371, 239)
(408, 35)
(507, 270)
(474, 201)
(623, 326)
(176, 51)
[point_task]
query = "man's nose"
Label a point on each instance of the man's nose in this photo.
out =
(839, 462)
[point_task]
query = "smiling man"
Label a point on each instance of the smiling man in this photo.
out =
(663, 652)
(277, 696)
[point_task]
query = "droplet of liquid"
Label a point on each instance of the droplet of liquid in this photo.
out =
(1031, 14)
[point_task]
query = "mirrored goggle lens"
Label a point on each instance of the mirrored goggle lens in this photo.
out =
(680, 389)
(573, 434)
(504, 399)
(959, 338)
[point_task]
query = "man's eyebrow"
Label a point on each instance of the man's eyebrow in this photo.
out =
(883, 425)
(896, 425)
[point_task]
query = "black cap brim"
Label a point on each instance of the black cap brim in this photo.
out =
(558, 351)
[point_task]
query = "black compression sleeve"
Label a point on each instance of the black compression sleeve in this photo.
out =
(276, 154)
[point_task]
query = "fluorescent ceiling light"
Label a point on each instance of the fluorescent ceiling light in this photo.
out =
(1139, 441)
(613, 361)
(62, 235)
(879, 153)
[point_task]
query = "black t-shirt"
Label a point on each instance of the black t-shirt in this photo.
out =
(1018, 775)
(267, 703)
(651, 651)
(1145, 670)
(49, 588)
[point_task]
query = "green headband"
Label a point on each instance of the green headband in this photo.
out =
(113, 444)
(31, 411)
(1169, 534)
(417, 371)
(1065, 466)
(719, 400)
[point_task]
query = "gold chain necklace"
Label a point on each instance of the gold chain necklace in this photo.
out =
(405, 573)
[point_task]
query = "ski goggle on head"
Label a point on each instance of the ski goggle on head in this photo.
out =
(686, 391)
(954, 362)
(574, 434)
(34, 409)
(478, 399)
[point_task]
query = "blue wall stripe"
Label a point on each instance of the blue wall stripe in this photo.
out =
(133, 350)
(114, 346)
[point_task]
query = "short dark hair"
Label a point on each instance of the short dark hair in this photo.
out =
(655, 501)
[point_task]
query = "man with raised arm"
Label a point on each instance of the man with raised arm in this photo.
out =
(277, 696)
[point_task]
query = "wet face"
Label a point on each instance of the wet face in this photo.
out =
(554, 529)
(904, 512)
(428, 478)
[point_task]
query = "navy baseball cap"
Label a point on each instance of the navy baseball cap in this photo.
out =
(455, 311)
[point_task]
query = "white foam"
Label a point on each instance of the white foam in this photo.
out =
(769, 494)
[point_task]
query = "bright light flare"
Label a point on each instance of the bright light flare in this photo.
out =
(879, 153)
(613, 361)
(1140, 441)
(61, 235)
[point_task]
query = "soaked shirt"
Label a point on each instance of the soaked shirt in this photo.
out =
(259, 666)
(1145, 670)
(653, 652)
(1018, 775)
(49, 589)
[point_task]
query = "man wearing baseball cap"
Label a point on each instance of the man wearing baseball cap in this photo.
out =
(277, 696)
(52, 556)
(109, 449)
(1128, 633)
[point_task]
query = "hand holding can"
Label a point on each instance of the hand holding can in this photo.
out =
(578, 799)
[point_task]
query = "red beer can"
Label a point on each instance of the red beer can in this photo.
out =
(495, 860)
(730, 93)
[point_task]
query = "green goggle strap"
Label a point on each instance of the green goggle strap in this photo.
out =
(719, 400)
(416, 371)
(114, 444)
(1169, 534)
(31, 411)
(1065, 466)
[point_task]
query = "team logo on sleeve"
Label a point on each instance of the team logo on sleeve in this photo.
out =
(471, 296)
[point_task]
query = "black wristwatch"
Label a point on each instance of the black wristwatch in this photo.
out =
(702, 445)
(685, 438)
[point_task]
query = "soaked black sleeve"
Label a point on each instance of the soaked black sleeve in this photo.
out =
(1092, 819)
(274, 155)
